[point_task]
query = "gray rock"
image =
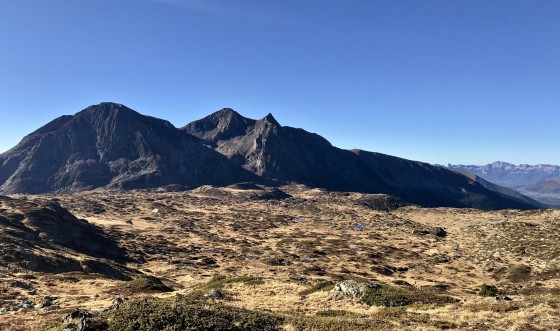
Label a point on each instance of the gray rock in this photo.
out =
(20, 284)
(214, 293)
(26, 305)
(77, 314)
(502, 298)
(358, 227)
(3, 310)
(350, 288)
(440, 232)
(47, 302)
(116, 303)
(71, 327)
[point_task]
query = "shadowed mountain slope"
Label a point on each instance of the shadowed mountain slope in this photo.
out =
(286, 154)
(109, 145)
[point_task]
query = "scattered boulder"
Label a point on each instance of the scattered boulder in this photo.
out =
(317, 270)
(502, 298)
(116, 303)
(214, 293)
(77, 314)
(20, 284)
(383, 270)
(440, 232)
(358, 227)
(276, 261)
(350, 288)
(47, 302)
(420, 232)
(206, 261)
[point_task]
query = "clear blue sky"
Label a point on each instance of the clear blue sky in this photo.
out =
(462, 81)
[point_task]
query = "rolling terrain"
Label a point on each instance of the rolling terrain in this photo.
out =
(285, 258)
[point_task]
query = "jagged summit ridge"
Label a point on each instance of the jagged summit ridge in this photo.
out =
(270, 119)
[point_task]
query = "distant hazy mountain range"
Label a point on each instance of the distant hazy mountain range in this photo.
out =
(540, 182)
(111, 146)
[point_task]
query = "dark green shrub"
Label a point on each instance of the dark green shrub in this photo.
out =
(185, 314)
(149, 283)
(388, 296)
(335, 313)
(218, 282)
(488, 290)
(519, 273)
(321, 286)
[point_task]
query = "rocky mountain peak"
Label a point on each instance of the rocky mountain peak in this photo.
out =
(227, 112)
(106, 110)
(270, 119)
(223, 124)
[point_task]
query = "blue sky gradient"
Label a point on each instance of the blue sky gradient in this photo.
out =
(463, 81)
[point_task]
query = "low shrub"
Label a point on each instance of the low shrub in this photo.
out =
(488, 290)
(388, 296)
(186, 314)
(321, 286)
(218, 282)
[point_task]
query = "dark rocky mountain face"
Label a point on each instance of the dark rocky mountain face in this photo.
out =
(109, 145)
(224, 124)
(286, 154)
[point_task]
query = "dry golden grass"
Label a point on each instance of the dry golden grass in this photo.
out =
(316, 237)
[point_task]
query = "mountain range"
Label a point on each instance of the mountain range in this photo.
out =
(110, 146)
(540, 182)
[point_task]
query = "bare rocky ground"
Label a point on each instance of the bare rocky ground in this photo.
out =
(292, 258)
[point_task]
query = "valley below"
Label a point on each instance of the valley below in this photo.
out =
(250, 257)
